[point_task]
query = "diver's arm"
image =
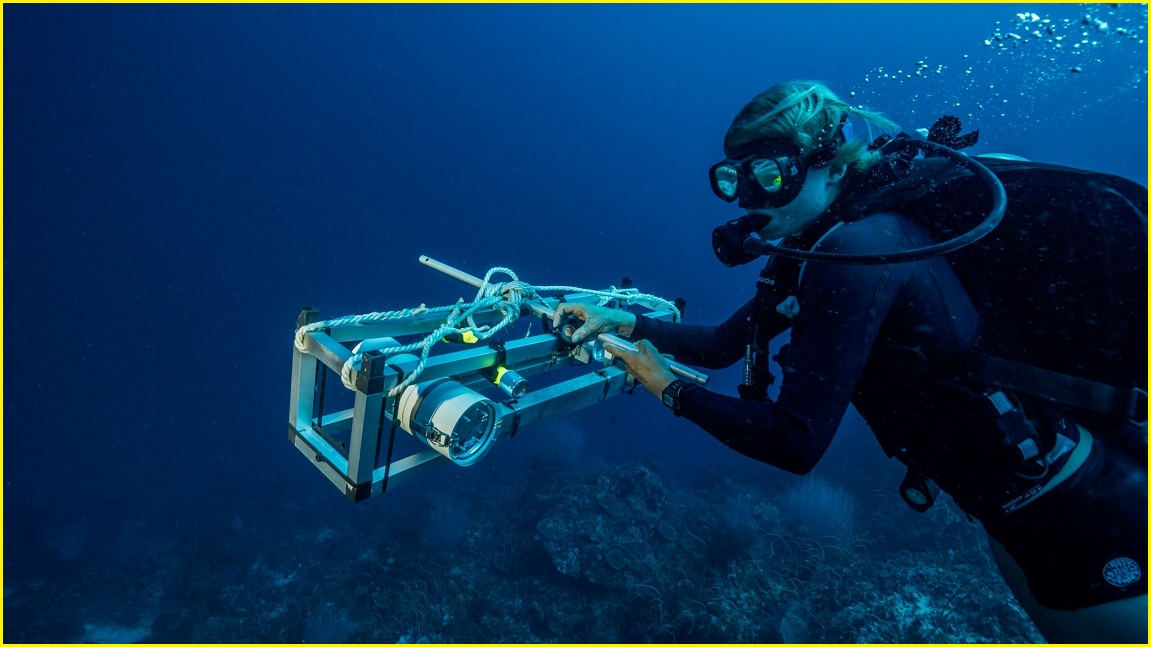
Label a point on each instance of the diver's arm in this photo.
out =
(841, 309)
(764, 431)
(702, 345)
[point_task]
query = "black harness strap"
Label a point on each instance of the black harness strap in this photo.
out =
(778, 281)
(1077, 392)
(773, 286)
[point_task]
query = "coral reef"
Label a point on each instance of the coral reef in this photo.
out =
(614, 555)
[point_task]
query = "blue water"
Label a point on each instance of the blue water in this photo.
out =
(180, 180)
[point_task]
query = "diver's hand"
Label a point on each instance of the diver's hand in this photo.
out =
(646, 365)
(596, 319)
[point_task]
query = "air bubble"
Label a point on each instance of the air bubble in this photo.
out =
(1049, 64)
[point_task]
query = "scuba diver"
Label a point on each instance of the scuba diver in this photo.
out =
(987, 317)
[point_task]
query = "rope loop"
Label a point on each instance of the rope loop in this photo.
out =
(507, 297)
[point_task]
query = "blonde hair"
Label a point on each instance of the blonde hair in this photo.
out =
(808, 113)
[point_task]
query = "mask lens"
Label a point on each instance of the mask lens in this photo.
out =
(767, 174)
(725, 181)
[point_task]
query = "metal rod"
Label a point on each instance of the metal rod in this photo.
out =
(476, 282)
(542, 310)
(681, 370)
(451, 271)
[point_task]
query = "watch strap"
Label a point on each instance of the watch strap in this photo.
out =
(671, 397)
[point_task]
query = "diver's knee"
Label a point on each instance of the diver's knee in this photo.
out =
(1119, 621)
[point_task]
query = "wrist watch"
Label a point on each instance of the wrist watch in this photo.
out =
(671, 397)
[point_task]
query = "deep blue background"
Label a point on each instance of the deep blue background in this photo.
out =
(180, 180)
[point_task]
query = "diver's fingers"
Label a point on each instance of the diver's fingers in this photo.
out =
(619, 351)
(646, 349)
(589, 328)
(563, 309)
(624, 355)
(648, 352)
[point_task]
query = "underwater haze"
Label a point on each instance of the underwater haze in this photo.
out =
(179, 181)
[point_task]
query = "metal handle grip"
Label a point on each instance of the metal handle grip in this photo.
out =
(685, 372)
(542, 310)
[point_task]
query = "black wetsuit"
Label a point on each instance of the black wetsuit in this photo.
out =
(848, 315)
(855, 329)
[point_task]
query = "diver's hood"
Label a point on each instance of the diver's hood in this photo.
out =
(894, 181)
(910, 171)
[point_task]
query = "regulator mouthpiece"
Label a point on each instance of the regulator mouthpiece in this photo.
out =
(727, 239)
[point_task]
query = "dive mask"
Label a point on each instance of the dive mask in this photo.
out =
(770, 173)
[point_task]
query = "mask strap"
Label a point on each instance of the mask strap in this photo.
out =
(826, 149)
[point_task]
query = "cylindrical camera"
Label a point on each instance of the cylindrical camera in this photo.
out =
(450, 418)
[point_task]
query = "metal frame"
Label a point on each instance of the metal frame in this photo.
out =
(363, 466)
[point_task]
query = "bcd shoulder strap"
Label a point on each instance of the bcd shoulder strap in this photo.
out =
(1073, 391)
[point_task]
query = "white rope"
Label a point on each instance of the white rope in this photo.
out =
(507, 298)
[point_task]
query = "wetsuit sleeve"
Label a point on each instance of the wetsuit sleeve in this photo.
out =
(699, 345)
(841, 310)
